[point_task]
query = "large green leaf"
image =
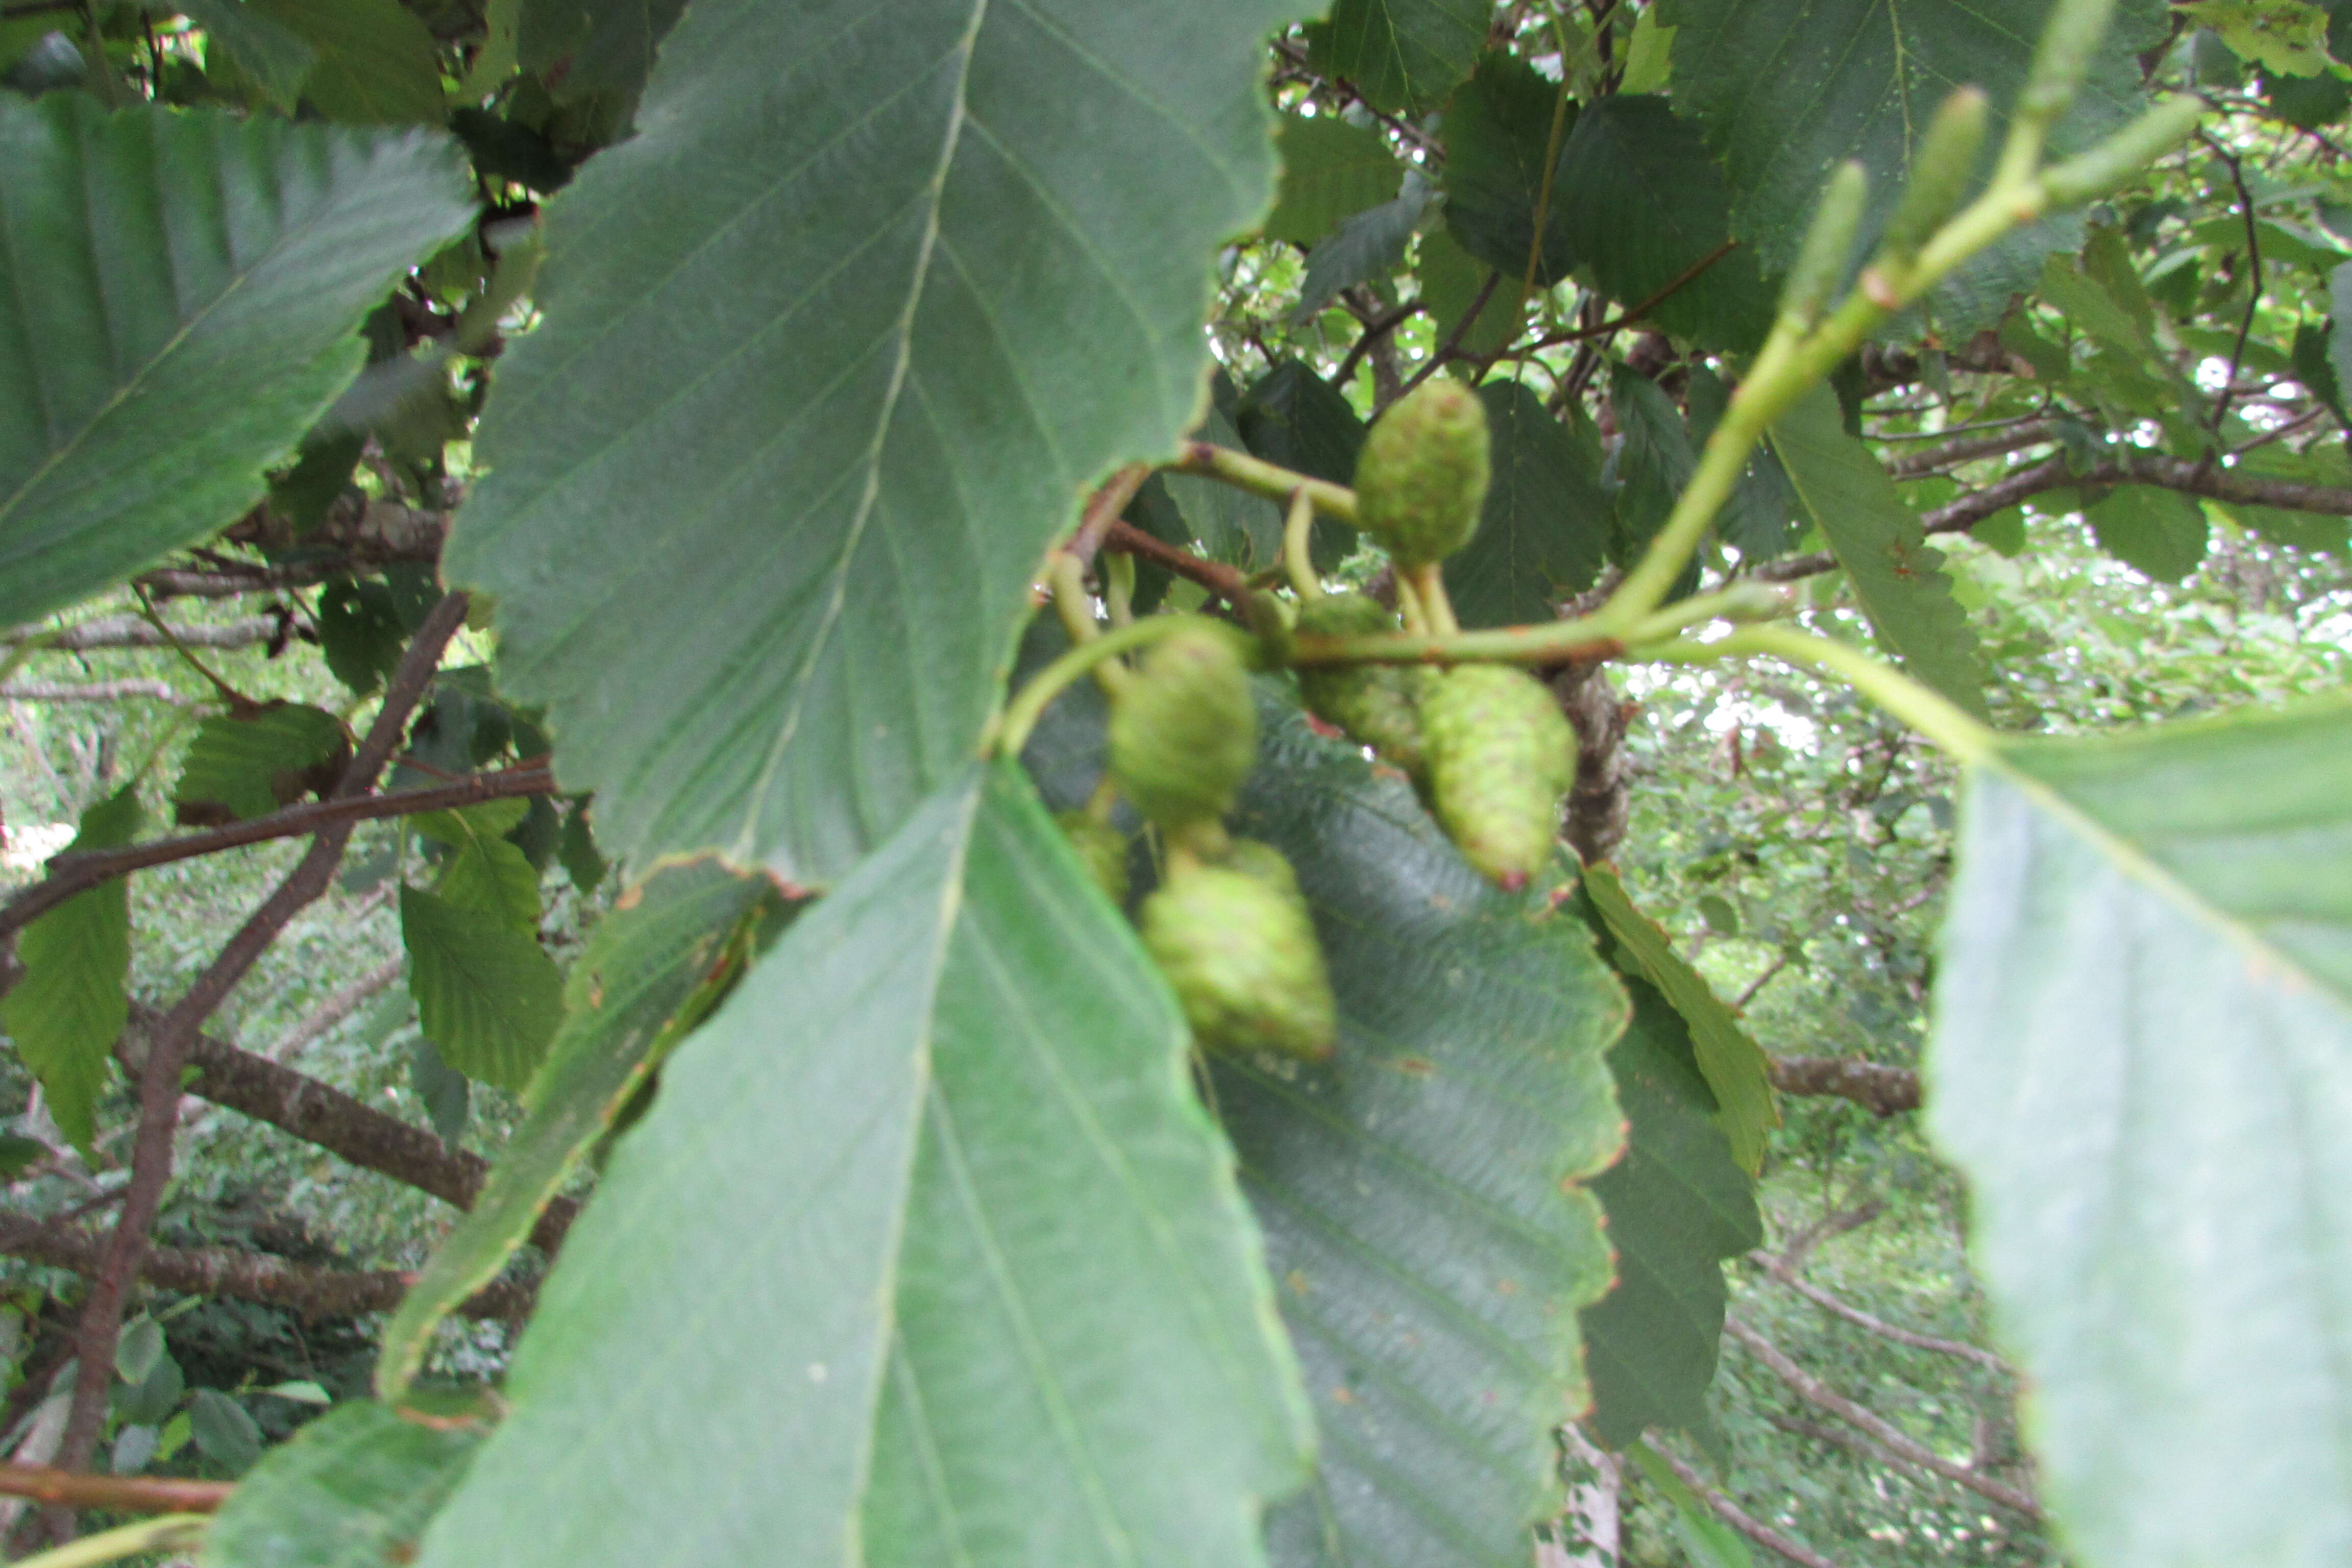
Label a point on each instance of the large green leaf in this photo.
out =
(1785, 89)
(1759, 518)
(648, 973)
(961, 274)
(1421, 1194)
(1543, 532)
(1895, 573)
(594, 46)
(1400, 54)
(485, 870)
(248, 765)
(925, 1253)
(1497, 132)
(181, 294)
(1451, 281)
(377, 62)
(1331, 170)
(353, 1488)
(67, 1008)
(487, 995)
(1646, 212)
(1678, 1204)
(1736, 1070)
(2142, 1060)
(1653, 462)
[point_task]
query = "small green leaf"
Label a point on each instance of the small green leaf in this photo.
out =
(1497, 132)
(447, 1094)
(576, 850)
(488, 873)
(301, 1390)
(2142, 1059)
(1543, 532)
(138, 1347)
(184, 287)
(243, 765)
(584, 47)
(1898, 575)
(377, 63)
(1330, 171)
(353, 1488)
(223, 1429)
(2158, 532)
(19, 1154)
(649, 972)
(1402, 55)
(1366, 247)
(487, 995)
(361, 635)
(69, 1006)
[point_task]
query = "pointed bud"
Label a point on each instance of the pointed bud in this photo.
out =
(1820, 270)
(1942, 174)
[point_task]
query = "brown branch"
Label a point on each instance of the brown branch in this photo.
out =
(1626, 318)
(1103, 508)
(1815, 1391)
(94, 691)
(1883, 1090)
(1967, 449)
(159, 1086)
(81, 870)
(1732, 1515)
(1446, 351)
(116, 1494)
(1376, 329)
(344, 1126)
(1218, 578)
(129, 631)
(250, 1276)
(1780, 1272)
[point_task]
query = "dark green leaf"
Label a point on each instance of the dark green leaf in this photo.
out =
(649, 972)
(243, 765)
(1294, 418)
(153, 1399)
(224, 1431)
(1222, 522)
(1653, 462)
(1760, 519)
(1735, 1067)
(1366, 247)
(583, 47)
(1898, 575)
(1451, 281)
(1009, 268)
(69, 1006)
(19, 1154)
(447, 1094)
(2314, 357)
(1497, 132)
(182, 291)
(487, 996)
(1400, 54)
(353, 1488)
(1421, 1196)
(1785, 89)
(273, 57)
(2142, 1060)
(2323, 464)
(1544, 530)
(1678, 1204)
(2158, 532)
(576, 850)
(138, 1349)
(976, 1285)
(1646, 212)
(1330, 171)
(360, 634)
(377, 64)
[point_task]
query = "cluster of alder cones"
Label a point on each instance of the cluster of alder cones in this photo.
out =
(1483, 743)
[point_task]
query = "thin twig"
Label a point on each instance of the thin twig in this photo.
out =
(1444, 350)
(1215, 576)
(116, 1494)
(1374, 330)
(1626, 318)
(94, 691)
(1103, 508)
(1732, 1515)
(1820, 1298)
(2254, 276)
(132, 631)
(337, 1007)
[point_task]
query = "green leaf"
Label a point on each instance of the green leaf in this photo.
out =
(1678, 1204)
(1451, 281)
(182, 294)
(69, 1006)
(1421, 1194)
(1543, 532)
(1402, 55)
(447, 1094)
(353, 1488)
(377, 63)
(2323, 464)
(360, 634)
(487, 995)
(1294, 418)
(224, 1430)
(1895, 573)
(1497, 132)
(1785, 89)
(270, 55)
(19, 1154)
(245, 766)
(2142, 1059)
(576, 850)
(1331, 170)
(2158, 532)
(1366, 247)
(1224, 523)
(1647, 211)
(584, 47)
(1759, 520)
(649, 972)
(976, 1283)
(901, 357)
(1735, 1067)
(138, 1349)
(489, 873)
(1653, 462)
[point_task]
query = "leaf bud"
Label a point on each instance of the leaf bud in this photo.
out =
(1941, 172)
(2120, 158)
(1241, 957)
(1422, 474)
(1821, 261)
(1183, 729)
(1501, 755)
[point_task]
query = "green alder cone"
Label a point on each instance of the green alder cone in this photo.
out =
(1184, 731)
(1102, 847)
(1500, 757)
(1236, 947)
(1377, 704)
(1255, 858)
(1422, 474)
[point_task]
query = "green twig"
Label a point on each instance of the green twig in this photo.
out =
(1934, 716)
(1298, 547)
(1028, 704)
(237, 701)
(1277, 484)
(165, 1533)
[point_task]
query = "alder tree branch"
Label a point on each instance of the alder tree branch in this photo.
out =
(1732, 1515)
(116, 1494)
(1102, 510)
(95, 691)
(1815, 1391)
(118, 1269)
(1884, 1089)
(1377, 328)
(1967, 449)
(130, 631)
(338, 1005)
(1215, 576)
(1780, 1271)
(78, 871)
